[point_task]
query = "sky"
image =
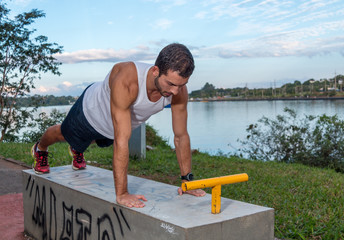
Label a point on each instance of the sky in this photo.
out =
(235, 43)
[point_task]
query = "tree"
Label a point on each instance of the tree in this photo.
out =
(208, 87)
(23, 57)
(209, 90)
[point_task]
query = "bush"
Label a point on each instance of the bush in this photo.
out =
(328, 143)
(41, 124)
(312, 140)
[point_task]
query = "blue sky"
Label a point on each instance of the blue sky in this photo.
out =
(236, 43)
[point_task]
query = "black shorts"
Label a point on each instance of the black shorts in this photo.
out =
(78, 132)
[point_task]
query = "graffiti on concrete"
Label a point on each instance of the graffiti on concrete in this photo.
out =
(84, 219)
(168, 228)
(59, 219)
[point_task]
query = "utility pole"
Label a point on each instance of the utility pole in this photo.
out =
(312, 87)
(335, 81)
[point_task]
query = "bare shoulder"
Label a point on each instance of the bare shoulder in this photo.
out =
(123, 80)
(124, 71)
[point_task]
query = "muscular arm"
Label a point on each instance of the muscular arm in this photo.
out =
(124, 89)
(181, 136)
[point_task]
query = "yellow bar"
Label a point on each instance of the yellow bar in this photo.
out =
(212, 182)
(216, 199)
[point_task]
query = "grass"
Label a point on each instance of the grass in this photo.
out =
(308, 202)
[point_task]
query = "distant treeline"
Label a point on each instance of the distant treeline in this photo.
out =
(311, 88)
(47, 100)
(332, 87)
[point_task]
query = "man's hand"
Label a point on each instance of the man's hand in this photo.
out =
(131, 200)
(196, 192)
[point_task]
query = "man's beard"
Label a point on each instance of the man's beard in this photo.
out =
(157, 85)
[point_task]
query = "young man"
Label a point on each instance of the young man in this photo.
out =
(107, 112)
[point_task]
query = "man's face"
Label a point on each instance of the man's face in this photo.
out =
(170, 84)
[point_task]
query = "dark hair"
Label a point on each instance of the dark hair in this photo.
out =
(175, 57)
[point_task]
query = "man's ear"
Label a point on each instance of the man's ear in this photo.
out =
(156, 71)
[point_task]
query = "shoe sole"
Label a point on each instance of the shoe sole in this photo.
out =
(74, 168)
(34, 159)
(37, 172)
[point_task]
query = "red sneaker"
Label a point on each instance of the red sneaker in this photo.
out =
(40, 164)
(78, 159)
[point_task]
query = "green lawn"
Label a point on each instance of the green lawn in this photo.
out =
(308, 202)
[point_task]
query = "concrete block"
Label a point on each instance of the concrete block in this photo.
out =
(137, 142)
(67, 204)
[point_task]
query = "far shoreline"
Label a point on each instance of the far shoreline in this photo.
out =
(264, 99)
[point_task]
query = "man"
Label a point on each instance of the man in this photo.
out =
(107, 112)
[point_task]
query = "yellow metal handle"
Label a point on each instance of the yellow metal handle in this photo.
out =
(216, 199)
(215, 184)
(211, 182)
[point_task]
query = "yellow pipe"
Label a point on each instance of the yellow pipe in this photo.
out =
(211, 182)
(216, 199)
(215, 184)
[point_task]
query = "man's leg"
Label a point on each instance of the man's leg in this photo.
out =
(52, 135)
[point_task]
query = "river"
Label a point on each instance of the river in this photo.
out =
(216, 126)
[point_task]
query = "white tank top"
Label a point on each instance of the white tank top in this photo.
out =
(96, 103)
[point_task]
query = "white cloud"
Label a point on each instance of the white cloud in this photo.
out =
(64, 89)
(67, 84)
(166, 5)
(105, 55)
(272, 11)
(179, 2)
(44, 90)
(201, 15)
(143, 47)
(301, 42)
(22, 3)
(275, 46)
(162, 24)
(266, 28)
(277, 28)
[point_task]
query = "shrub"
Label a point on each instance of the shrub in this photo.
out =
(312, 140)
(41, 124)
(328, 143)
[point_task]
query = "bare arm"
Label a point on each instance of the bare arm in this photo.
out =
(181, 136)
(124, 89)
